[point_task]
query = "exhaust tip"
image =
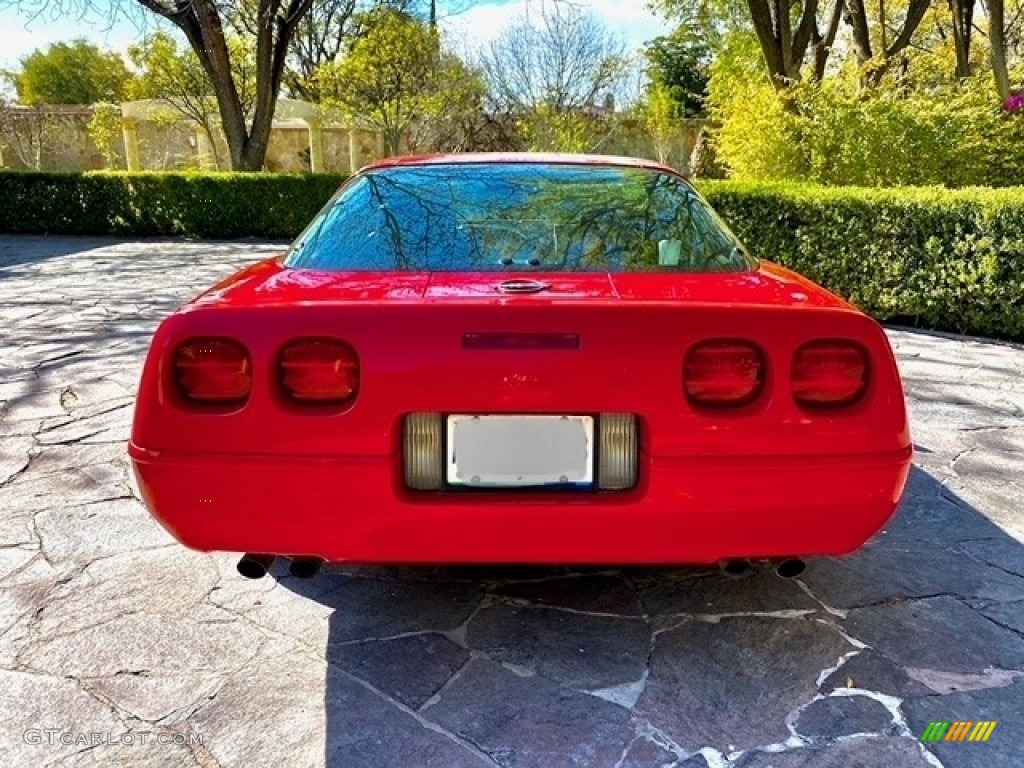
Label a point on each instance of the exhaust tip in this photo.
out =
(305, 567)
(254, 566)
(734, 569)
(791, 568)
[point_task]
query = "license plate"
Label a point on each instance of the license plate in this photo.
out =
(520, 451)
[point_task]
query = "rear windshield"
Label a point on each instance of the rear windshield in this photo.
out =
(517, 217)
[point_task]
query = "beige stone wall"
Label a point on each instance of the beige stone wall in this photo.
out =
(288, 151)
(167, 146)
(61, 132)
(630, 138)
(177, 146)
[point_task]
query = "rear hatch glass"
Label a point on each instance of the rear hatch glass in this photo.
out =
(518, 217)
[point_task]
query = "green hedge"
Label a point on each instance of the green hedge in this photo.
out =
(217, 205)
(944, 259)
(949, 260)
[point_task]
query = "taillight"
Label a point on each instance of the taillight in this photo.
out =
(213, 371)
(319, 371)
(829, 374)
(723, 373)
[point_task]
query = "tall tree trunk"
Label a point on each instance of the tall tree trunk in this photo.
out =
(276, 20)
(857, 18)
(822, 46)
(783, 47)
(997, 46)
(963, 19)
(771, 49)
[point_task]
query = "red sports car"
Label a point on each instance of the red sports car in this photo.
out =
(520, 359)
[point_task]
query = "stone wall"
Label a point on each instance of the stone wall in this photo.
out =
(47, 139)
(66, 145)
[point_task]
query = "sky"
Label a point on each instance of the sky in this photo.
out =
(20, 34)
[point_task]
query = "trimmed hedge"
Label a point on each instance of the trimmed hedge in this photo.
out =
(216, 205)
(950, 260)
(945, 259)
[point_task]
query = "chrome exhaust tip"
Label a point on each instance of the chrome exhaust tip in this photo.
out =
(305, 567)
(254, 566)
(734, 569)
(791, 568)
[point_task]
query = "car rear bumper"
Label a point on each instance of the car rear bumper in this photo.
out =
(683, 510)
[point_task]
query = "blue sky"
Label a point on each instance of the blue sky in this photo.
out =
(21, 34)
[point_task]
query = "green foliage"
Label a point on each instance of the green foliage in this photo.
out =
(176, 76)
(658, 111)
(167, 71)
(545, 129)
(395, 73)
(678, 67)
(216, 205)
(835, 132)
(71, 73)
(105, 129)
(945, 259)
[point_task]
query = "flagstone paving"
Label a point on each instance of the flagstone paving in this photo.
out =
(120, 647)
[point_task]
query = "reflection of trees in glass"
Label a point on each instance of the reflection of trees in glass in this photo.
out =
(517, 217)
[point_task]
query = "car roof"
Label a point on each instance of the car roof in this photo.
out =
(509, 158)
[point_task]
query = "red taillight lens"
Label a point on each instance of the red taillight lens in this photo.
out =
(829, 373)
(320, 371)
(724, 373)
(213, 371)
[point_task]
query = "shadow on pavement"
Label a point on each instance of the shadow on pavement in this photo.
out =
(30, 249)
(452, 666)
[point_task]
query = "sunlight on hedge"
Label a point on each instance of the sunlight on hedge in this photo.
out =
(917, 129)
(946, 259)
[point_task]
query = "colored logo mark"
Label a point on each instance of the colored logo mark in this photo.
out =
(958, 730)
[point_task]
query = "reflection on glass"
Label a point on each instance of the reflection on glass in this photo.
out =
(517, 216)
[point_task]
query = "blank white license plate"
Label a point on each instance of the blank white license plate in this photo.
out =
(520, 451)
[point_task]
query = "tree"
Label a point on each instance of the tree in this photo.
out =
(395, 73)
(557, 77)
(27, 131)
(962, 12)
(787, 30)
(997, 47)
(71, 73)
(567, 62)
(453, 117)
(105, 129)
(659, 113)
(323, 35)
(319, 39)
(875, 62)
(177, 77)
(678, 69)
(204, 24)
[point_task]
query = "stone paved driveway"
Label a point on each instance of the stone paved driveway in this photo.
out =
(111, 629)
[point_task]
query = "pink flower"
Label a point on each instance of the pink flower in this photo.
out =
(1014, 102)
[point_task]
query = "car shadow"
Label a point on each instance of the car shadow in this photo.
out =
(546, 666)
